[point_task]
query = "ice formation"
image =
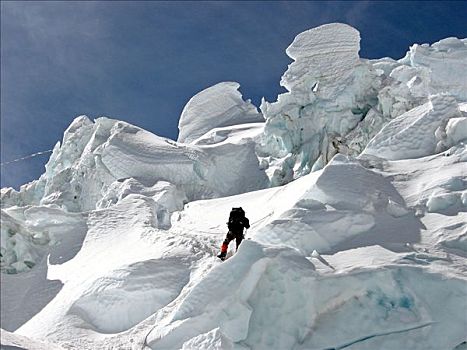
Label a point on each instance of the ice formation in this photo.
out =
(330, 91)
(354, 182)
(420, 131)
(217, 106)
(337, 102)
(97, 160)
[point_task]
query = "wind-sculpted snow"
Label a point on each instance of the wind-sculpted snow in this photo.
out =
(120, 289)
(324, 57)
(128, 295)
(418, 132)
(217, 106)
(285, 303)
(337, 214)
(455, 131)
(363, 246)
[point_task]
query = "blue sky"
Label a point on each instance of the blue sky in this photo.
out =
(142, 61)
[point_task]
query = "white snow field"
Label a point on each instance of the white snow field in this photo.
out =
(354, 182)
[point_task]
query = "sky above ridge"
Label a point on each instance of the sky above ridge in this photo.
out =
(141, 61)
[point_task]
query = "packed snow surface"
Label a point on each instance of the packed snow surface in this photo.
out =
(354, 182)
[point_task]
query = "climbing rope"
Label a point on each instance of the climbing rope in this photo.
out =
(27, 157)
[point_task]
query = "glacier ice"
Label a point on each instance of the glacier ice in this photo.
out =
(337, 102)
(326, 56)
(97, 160)
(354, 182)
(330, 92)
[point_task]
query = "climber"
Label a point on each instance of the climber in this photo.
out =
(237, 221)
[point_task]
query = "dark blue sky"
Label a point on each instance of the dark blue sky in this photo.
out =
(142, 61)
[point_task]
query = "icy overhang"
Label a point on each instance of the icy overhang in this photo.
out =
(217, 106)
(325, 54)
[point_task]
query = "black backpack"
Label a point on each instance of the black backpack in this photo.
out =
(236, 215)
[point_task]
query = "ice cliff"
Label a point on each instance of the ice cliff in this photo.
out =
(354, 182)
(336, 101)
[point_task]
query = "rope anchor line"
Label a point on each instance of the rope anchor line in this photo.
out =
(27, 157)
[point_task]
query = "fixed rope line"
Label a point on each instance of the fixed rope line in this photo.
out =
(219, 226)
(27, 157)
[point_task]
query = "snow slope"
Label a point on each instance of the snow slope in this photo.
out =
(362, 246)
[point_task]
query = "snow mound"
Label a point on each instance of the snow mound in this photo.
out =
(127, 296)
(416, 133)
(237, 280)
(212, 340)
(217, 106)
(163, 192)
(456, 130)
(347, 206)
(269, 305)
